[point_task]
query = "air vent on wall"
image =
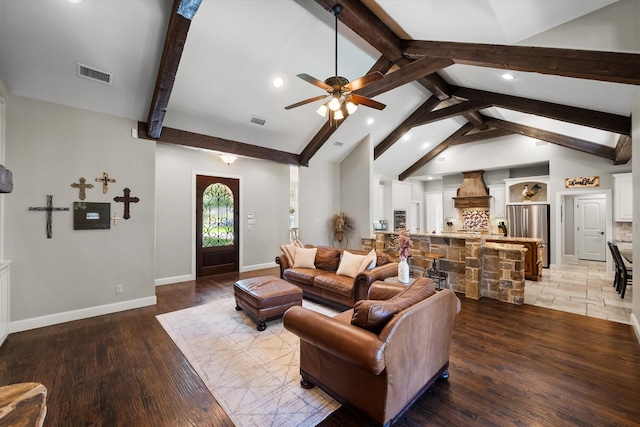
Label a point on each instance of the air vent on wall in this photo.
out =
(93, 74)
(258, 121)
(338, 144)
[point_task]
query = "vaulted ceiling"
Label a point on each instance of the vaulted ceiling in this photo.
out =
(196, 73)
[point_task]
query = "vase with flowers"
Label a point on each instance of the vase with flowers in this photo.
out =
(340, 223)
(404, 245)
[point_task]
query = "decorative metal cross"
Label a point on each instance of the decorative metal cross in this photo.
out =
(115, 219)
(105, 182)
(48, 209)
(82, 185)
(126, 199)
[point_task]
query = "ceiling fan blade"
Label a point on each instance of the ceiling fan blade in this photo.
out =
(315, 82)
(362, 81)
(306, 101)
(367, 102)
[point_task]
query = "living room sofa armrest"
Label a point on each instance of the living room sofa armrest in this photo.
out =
(363, 280)
(343, 340)
(282, 261)
(383, 291)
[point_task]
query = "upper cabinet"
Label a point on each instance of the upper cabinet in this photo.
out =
(448, 209)
(622, 197)
(497, 209)
(533, 189)
(400, 196)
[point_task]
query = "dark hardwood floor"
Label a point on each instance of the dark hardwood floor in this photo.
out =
(510, 366)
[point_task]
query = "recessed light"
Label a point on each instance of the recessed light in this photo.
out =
(75, 1)
(369, 121)
(406, 137)
(278, 82)
(425, 145)
(429, 178)
(507, 76)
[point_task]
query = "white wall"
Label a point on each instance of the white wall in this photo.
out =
(319, 199)
(74, 274)
(356, 191)
(264, 192)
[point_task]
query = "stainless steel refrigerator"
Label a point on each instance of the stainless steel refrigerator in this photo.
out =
(530, 221)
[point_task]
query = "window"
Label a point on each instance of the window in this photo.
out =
(217, 216)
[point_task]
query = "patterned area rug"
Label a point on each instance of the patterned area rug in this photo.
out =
(255, 376)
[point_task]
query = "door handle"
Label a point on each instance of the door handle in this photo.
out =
(602, 232)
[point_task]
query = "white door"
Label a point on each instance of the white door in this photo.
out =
(414, 218)
(591, 223)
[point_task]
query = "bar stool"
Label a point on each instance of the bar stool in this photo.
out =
(434, 272)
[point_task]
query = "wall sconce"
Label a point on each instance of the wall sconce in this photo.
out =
(228, 158)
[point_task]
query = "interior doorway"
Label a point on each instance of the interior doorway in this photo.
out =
(591, 222)
(217, 225)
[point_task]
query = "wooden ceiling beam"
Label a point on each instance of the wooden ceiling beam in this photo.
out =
(481, 136)
(554, 138)
(448, 112)
(404, 75)
(404, 127)
(197, 140)
(580, 116)
(182, 13)
(623, 150)
(435, 151)
(592, 65)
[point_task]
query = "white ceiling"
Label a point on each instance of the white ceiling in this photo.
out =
(235, 49)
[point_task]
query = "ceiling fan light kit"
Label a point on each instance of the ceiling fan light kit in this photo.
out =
(343, 102)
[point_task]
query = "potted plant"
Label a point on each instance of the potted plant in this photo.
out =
(340, 223)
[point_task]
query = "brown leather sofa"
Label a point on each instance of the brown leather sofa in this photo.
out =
(324, 285)
(380, 373)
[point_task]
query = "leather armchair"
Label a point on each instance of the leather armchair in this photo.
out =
(379, 374)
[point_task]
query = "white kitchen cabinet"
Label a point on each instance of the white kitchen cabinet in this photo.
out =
(448, 209)
(497, 202)
(401, 196)
(622, 197)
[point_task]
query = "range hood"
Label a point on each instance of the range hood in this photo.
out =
(473, 193)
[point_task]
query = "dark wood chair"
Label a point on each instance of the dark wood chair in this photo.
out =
(624, 274)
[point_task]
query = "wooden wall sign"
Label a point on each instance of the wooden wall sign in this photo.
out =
(91, 216)
(582, 182)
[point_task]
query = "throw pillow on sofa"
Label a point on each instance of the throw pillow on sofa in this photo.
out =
(369, 261)
(350, 264)
(290, 250)
(373, 315)
(305, 258)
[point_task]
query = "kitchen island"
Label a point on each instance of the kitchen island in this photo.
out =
(476, 264)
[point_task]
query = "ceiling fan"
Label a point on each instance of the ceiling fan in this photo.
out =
(343, 101)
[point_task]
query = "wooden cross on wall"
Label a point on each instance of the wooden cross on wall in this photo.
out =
(105, 182)
(49, 209)
(126, 199)
(82, 185)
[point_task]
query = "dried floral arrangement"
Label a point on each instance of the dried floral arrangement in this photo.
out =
(341, 222)
(403, 244)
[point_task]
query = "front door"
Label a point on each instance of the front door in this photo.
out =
(217, 225)
(591, 223)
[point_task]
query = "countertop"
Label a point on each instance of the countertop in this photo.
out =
(471, 235)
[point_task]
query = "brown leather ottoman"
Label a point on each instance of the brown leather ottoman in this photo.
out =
(265, 298)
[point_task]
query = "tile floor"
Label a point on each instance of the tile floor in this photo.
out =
(580, 287)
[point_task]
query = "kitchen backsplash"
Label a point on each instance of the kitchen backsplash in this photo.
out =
(475, 219)
(623, 231)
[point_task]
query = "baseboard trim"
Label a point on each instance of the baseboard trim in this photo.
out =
(258, 266)
(174, 279)
(636, 325)
(83, 313)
